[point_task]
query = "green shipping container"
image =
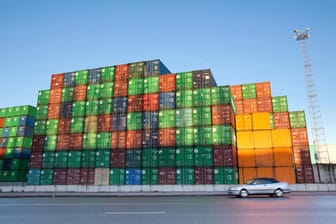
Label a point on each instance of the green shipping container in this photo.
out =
(16, 111)
(1, 164)
(184, 117)
(150, 158)
(184, 136)
(184, 80)
(27, 110)
(203, 156)
(150, 176)
(105, 106)
(9, 153)
(77, 125)
(249, 91)
(34, 176)
(220, 95)
(67, 94)
(42, 112)
(93, 92)
(90, 141)
(11, 122)
(108, 74)
(23, 142)
(280, 104)
(151, 84)
(167, 119)
(185, 176)
(48, 160)
(78, 109)
(43, 97)
(46, 177)
(201, 116)
(22, 176)
(13, 131)
(297, 119)
(11, 142)
(81, 77)
(222, 135)
(184, 157)
(52, 127)
(202, 97)
(50, 143)
(137, 70)
(104, 140)
(74, 159)
(61, 159)
(225, 175)
(88, 159)
(203, 135)
(167, 157)
(135, 86)
(92, 107)
(103, 159)
(3, 112)
(106, 90)
(40, 128)
(117, 176)
(184, 98)
(134, 121)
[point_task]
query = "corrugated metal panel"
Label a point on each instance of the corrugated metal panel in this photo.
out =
(283, 157)
(245, 140)
(243, 122)
(246, 158)
(261, 121)
(286, 174)
(246, 174)
(262, 139)
(281, 138)
(264, 157)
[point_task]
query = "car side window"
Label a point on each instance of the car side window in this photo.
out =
(257, 181)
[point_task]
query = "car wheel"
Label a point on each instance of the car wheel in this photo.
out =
(278, 193)
(243, 193)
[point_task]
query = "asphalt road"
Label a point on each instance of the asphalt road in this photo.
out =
(307, 208)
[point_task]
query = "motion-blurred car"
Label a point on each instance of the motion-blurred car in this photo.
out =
(267, 186)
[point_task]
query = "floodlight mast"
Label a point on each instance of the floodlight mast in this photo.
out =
(319, 139)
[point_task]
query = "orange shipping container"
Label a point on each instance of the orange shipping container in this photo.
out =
(263, 89)
(299, 136)
(120, 88)
(121, 73)
(151, 102)
(281, 120)
(134, 139)
(281, 138)
(250, 105)
(2, 122)
(265, 172)
(135, 103)
(167, 137)
(285, 174)
(264, 104)
(222, 114)
(283, 157)
(54, 111)
(264, 157)
(243, 122)
(236, 92)
(245, 140)
(80, 93)
(245, 174)
(2, 152)
(56, 81)
(55, 96)
(239, 106)
(167, 83)
(246, 158)
(118, 140)
(261, 121)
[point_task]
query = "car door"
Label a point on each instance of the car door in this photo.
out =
(256, 187)
(268, 185)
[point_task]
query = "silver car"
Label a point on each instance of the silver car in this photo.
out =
(266, 186)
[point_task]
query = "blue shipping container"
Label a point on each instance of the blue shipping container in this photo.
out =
(66, 110)
(150, 120)
(133, 176)
(150, 138)
(69, 79)
(167, 100)
(3, 143)
(155, 67)
(95, 76)
(25, 131)
(119, 122)
(27, 121)
(5, 133)
(120, 104)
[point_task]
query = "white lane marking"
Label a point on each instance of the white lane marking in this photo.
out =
(83, 204)
(135, 213)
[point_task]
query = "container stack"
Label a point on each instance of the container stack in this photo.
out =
(16, 132)
(264, 147)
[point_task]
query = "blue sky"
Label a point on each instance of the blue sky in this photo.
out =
(240, 41)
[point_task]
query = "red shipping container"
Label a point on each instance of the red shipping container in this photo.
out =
(250, 106)
(121, 73)
(73, 176)
(55, 96)
(301, 154)
(135, 103)
(239, 106)
(167, 83)
(76, 141)
(2, 153)
(118, 140)
(224, 155)
(222, 114)
(236, 92)
(263, 89)
(104, 123)
(299, 136)
(38, 143)
(36, 160)
(120, 88)
(167, 137)
(87, 176)
(167, 175)
(60, 177)
(54, 111)
(264, 104)
(151, 102)
(56, 81)
(134, 139)
(2, 122)
(118, 158)
(203, 175)
(80, 93)
(281, 120)
(64, 125)
(304, 173)
(63, 142)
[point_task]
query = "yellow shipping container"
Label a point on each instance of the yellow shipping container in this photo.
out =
(261, 121)
(245, 140)
(264, 157)
(281, 138)
(246, 174)
(246, 158)
(283, 157)
(286, 174)
(243, 122)
(262, 139)
(265, 172)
